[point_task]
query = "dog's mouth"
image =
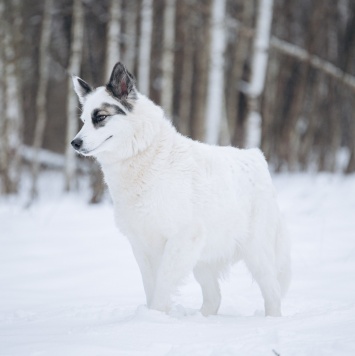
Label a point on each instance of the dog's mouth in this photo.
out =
(89, 152)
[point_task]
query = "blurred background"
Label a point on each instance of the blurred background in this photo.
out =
(278, 74)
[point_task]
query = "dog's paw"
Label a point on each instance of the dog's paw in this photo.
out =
(209, 309)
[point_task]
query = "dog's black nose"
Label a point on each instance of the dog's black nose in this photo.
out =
(77, 143)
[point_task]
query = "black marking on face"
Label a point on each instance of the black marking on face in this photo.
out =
(99, 116)
(113, 109)
(126, 105)
(124, 102)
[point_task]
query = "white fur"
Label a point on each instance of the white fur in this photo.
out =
(187, 206)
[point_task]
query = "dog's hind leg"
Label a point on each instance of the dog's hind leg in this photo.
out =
(179, 258)
(264, 271)
(207, 276)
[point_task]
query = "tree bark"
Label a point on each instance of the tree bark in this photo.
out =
(168, 57)
(41, 98)
(113, 37)
(233, 93)
(77, 36)
(270, 100)
(13, 114)
(201, 22)
(3, 139)
(130, 39)
(185, 97)
(258, 72)
(145, 43)
(215, 91)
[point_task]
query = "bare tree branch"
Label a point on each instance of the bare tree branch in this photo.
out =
(315, 61)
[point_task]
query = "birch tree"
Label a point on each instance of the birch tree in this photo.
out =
(76, 47)
(145, 43)
(258, 72)
(168, 57)
(215, 98)
(113, 37)
(112, 56)
(41, 97)
(13, 114)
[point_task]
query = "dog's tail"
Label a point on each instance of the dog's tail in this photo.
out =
(283, 257)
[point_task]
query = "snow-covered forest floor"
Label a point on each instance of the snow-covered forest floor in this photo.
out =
(69, 284)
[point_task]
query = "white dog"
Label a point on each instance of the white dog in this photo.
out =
(184, 205)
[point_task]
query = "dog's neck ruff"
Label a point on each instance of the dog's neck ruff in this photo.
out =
(119, 175)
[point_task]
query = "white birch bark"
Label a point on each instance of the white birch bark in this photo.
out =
(258, 72)
(130, 19)
(113, 37)
(77, 34)
(41, 97)
(13, 109)
(145, 44)
(215, 92)
(168, 57)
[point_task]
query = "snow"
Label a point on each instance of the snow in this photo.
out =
(69, 284)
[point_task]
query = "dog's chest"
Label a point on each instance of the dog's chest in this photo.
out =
(144, 218)
(146, 203)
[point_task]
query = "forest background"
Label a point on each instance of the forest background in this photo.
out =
(279, 74)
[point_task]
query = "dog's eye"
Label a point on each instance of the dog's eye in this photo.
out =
(100, 118)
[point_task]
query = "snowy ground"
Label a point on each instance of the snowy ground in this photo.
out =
(69, 284)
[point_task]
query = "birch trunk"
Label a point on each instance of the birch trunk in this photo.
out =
(77, 34)
(168, 57)
(214, 107)
(258, 72)
(13, 114)
(145, 44)
(113, 37)
(41, 97)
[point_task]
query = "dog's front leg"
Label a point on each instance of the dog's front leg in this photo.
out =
(148, 272)
(179, 257)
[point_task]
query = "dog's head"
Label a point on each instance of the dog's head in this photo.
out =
(118, 120)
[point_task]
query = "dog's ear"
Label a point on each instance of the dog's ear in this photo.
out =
(81, 88)
(121, 82)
